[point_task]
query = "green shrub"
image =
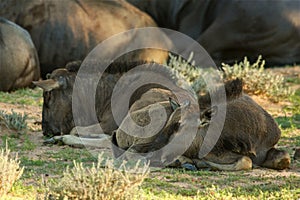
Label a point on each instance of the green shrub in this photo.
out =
(99, 181)
(10, 171)
(257, 80)
(13, 120)
(193, 75)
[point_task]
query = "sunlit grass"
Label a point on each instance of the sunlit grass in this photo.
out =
(24, 96)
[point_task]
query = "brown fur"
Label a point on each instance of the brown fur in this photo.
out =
(68, 30)
(248, 136)
(230, 30)
(19, 64)
(58, 91)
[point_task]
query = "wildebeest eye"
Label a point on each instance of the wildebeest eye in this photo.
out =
(62, 82)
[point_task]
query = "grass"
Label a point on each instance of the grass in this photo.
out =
(257, 80)
(24, 96)
(10, 171)
(220, 185)
(103, 180)
(44, 163)
(54, 162)
(12, 143)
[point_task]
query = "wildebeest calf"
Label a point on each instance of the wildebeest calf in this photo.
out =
(248, 136)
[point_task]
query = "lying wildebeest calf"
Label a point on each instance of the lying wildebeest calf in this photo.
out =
(19, 64)
(248, 136)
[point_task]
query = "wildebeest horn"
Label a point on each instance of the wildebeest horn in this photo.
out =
(173, 103)
(47, 85)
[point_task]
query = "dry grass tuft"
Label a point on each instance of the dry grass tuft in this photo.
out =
(257, 80)
(101, 181)
(10, 171)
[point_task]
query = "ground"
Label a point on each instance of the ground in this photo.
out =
(45, 162)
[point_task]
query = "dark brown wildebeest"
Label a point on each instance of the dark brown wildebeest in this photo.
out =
(231, 29)
(248, 136)
(68, 30)
(58, 90)
(19, 64)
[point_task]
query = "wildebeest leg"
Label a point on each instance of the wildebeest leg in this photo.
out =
(227, 161)
(101, 142)
(277, 159)
(183, 162)
(92, 131)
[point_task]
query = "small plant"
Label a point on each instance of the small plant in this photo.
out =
(10, 171)
(258, 81)
(195, 76)
(13, 120)
(99, 181)
(24, 96)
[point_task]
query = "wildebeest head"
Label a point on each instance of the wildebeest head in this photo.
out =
(233, 90)
(57, 107)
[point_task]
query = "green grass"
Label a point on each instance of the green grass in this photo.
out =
(293, 80)
(219, 185)
(24, 143)
(54, 162)
(10, 142)
(24, 96)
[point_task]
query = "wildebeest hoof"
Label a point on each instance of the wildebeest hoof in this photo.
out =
(55, 140)
(277, 159)
(70, 140)
(49, 141)
(189, 166)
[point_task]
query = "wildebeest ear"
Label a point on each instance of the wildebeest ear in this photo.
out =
(47, 85)
(174, 104)
(73, 66)
(210, 112)
(234, 88)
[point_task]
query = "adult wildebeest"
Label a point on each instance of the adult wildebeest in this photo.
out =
(231, 29)
(19, 64)
(248, 136)
(68, 30)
